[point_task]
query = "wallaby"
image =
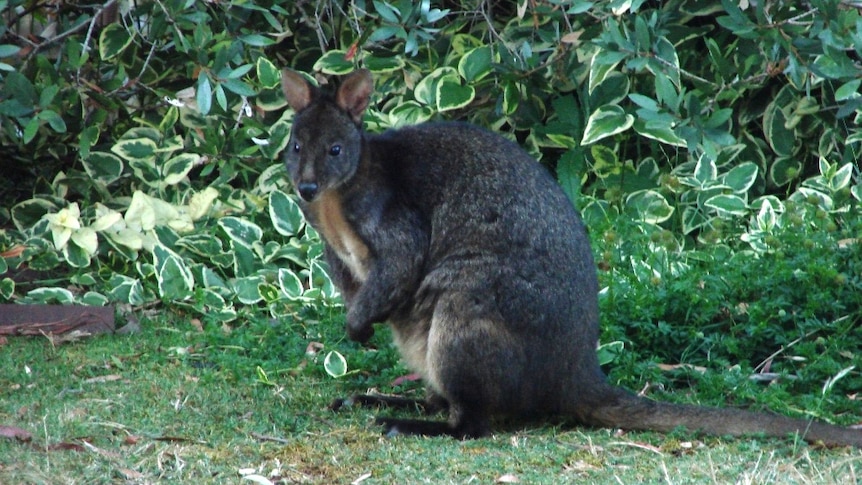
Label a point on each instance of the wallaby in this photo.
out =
(471, 252)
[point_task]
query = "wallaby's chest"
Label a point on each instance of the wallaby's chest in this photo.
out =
(327, 212)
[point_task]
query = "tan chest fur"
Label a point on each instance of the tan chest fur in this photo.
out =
(328, 213)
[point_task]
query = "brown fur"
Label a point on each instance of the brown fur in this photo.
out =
(476, 259)
(328, 216)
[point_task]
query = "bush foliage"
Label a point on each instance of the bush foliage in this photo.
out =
(141, 139)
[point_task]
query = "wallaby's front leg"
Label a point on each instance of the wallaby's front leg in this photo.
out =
(394, 275)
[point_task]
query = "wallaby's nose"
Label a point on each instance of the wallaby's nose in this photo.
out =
(307, 190)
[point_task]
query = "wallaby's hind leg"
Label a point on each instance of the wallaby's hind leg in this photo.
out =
(470, 361)
(462, 425)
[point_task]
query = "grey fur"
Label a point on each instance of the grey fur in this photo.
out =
(471, 252)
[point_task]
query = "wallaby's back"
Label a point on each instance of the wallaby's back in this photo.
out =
(482, 267)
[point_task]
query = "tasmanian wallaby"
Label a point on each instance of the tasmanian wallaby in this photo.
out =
(471, 252)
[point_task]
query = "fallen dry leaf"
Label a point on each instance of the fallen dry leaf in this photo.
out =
(362, 478)
(13, 252)
(313, 348)
(670, 367)
(107, 454)
(508, 478)
(844, 243)
(130, 474)
(65, 446)
(263, 437)
(101, 379)
(572, 37)
(15, 432)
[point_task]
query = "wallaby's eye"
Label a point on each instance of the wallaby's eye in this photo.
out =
(335, 150)
(296, 147)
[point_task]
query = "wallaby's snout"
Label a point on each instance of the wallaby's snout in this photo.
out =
(307, 190)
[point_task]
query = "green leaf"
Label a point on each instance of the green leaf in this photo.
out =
(705, 170)
(784, 170)
(290, 284)
(7, 288)
(848, 90)
(27, 213)
(410, 113)
(113, 40)
(511, 98)
(93, 298)
(665, 50)
(334, 62)
(136, 149)
(238, 87)
(174, 278)
(256, 40)
(692, 220)
(22, 90)
(9, 50)
(383, 65)
(204, 94)
(52, 295)
(606, 162)
(386, 11)
(203, 244)
(727, 205)
(766, 219)
(649, 206)
(88, 137)
(31, 130)
(247, 289)
(599, 71)
(44, 262)
(475, 64)
(241, 230)
(285, 213)
(781, 139)
(176, 169)
(334, 363)
(659, 131)
(607, 120)
(126, 290)
(609, 352)
(741, 177)
(104, 167)
(570, 173)
(279, 135)
(426, 90)
(452, 95)
(268, 75)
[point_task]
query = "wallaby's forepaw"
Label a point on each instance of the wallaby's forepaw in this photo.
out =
(360, 333)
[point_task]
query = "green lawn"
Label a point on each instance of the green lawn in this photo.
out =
(172, 404)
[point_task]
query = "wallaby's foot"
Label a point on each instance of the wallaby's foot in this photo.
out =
(393, 427)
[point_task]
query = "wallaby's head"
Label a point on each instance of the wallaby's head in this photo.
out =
(325, 145)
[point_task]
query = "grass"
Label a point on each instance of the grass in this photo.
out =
(184, 402)
(173, 404)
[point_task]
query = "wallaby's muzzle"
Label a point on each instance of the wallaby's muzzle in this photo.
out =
(307, 190)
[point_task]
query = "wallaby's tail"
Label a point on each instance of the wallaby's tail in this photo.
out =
(622, 409)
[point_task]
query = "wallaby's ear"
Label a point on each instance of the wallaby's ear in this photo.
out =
(354, 93)
(297, 90)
